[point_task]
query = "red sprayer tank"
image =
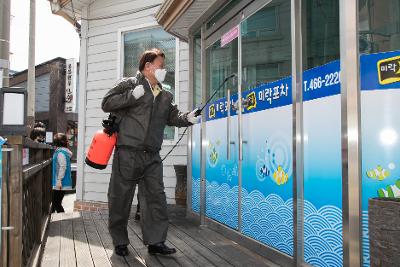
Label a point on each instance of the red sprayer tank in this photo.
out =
(100, 150)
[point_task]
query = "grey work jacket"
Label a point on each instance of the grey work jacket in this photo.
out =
(142, 121)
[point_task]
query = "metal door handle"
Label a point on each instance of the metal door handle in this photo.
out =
(240, 124)
(243, 142)
(228, 125)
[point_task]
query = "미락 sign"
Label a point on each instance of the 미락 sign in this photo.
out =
(389, 70)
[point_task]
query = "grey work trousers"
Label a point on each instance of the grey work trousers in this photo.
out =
(129, 169)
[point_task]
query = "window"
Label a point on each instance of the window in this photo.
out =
(135, 43)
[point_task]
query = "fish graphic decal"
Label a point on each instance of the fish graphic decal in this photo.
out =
(280, 177)
(378, 173)
(264, 171)
(213, 156)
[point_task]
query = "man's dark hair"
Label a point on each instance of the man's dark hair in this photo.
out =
(37, 132)
(60, 140)
(149, 56)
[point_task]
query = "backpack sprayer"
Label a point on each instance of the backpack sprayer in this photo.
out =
(104, 140)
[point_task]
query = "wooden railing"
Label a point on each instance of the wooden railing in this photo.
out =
(26, 200)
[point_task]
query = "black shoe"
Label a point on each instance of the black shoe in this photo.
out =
(137, 216)
(121, 250)
(160, 248)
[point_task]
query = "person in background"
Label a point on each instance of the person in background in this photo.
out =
(61, 171)
(39, 124)
(38, 134)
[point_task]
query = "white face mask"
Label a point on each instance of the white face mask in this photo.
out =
(160, 74)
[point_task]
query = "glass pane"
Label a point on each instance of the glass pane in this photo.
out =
(263, 23)
(267, 202)
(221, 63)
(379, 24)
(72, 136)
(266, 54)
(222, 12)
(379, 44)
(169, 133)
(136, 42)
(197, 71)
(196, 147)
(323, 242)
(221, 167)
(320, 32)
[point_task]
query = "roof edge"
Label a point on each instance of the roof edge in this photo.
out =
(170, 11)
(60, 59)
(57, 9)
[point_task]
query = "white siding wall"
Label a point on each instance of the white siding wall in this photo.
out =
(102, 57)
(42, 87)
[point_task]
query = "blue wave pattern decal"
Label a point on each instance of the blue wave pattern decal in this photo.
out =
(196, 195)
(268, 220)
(323, 228)
(365, 239)
(222, 203)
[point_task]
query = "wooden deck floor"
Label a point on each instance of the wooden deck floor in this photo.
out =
(82, 239)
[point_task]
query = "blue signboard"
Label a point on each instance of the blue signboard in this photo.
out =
(322, 81)
(318, 82)
(380, 71)
(266, 96)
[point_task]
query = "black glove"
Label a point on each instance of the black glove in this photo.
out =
(110, 127)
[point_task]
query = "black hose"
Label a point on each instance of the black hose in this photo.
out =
(183, 134)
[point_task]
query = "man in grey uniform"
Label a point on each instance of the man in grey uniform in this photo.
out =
(143, 109)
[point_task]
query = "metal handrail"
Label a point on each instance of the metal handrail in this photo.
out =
(28, 190)
(30, 170)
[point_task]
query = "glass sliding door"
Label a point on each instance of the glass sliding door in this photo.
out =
(221, 137)
(379, 44)
(267, 180)
(323, 242)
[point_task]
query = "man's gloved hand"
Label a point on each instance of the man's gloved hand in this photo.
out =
(138, 92)
(59, 185)
(193, 117)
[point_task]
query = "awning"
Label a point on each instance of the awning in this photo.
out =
(180, 17)
(71, 11)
